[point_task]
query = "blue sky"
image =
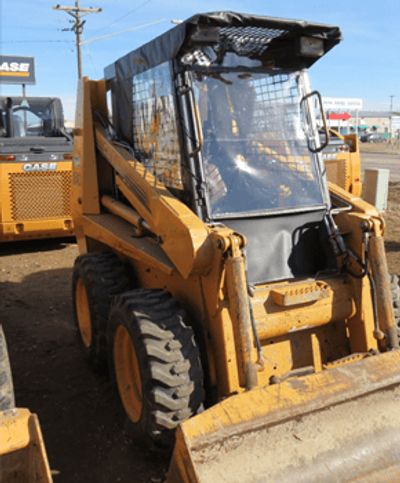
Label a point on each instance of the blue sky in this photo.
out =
(366, 64)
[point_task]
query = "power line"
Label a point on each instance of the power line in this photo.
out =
(77, 12)
(123, 16)
(113, 34)
(34, 41)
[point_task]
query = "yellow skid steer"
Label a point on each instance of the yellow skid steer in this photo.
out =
(241, 303)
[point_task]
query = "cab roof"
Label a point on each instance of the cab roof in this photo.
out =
(269, 38)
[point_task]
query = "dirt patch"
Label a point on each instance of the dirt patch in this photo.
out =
(387, 148)
(80, 417)
(392, 235)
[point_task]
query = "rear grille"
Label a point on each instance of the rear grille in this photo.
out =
(35, 196)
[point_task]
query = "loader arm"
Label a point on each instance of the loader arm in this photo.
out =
(178, 229)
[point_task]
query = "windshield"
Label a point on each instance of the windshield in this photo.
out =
(30, 117)
(255, 150)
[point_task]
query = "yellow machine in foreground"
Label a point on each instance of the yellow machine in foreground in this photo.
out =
(243, 305)
(23, 456)
(35, 169)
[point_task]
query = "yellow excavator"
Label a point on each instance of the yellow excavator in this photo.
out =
(241, 302)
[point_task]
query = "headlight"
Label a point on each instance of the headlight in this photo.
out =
(311, 47)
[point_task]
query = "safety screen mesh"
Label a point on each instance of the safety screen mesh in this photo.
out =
(36, 196)
(278, 120)
(248, 40)
(155, 135)
(256, 132)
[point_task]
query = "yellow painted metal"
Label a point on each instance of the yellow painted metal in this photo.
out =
(239, 308)
(83, 313)
(167, 217)
(124, 212)
(23, 457)
(344, 167)
(275, 319)
(13, 430)
(127, 374)
(35, 204)
(289, 296)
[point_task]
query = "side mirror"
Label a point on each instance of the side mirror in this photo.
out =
(318, 98)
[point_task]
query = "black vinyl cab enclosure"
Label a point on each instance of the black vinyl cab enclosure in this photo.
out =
(35, 169)
(221, 110)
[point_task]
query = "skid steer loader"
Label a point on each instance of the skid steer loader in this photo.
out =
(35, 169)
(243, 304)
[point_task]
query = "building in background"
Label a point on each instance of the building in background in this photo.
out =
(346, 115)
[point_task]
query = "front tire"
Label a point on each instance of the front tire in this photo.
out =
(155, 363)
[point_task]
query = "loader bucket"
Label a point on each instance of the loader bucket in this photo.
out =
(339, 425)
(23, 456)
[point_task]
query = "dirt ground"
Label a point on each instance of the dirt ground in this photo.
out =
(392, 235)
(82, 425)
(388, 147)
(80, 418)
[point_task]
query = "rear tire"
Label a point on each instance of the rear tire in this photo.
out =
(7, 400)
(97, 279)
(155, 364)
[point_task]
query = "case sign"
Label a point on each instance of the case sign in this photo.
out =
(17, 70)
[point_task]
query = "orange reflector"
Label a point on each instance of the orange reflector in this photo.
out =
(7, 157)
(68, 156)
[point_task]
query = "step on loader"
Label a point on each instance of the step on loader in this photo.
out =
(241, 302)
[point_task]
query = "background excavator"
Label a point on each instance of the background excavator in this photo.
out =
(241, 302)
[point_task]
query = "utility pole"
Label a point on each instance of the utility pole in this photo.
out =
(77, 12)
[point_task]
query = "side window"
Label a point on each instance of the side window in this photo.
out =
(34, 123)
(155, 135)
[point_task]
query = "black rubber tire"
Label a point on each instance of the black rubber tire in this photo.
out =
(7, 400)
(168, 359)
(104, 276)
(394, 283)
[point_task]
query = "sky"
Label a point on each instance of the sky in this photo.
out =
(366, 64)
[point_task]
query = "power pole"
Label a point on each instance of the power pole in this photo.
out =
(77, 26)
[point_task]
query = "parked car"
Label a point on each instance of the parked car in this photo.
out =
(372, 137)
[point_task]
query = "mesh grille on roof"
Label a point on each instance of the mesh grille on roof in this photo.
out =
(249, 40)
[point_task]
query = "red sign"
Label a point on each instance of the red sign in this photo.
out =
(336, 116)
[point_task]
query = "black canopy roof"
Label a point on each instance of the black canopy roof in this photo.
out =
(236, 29)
